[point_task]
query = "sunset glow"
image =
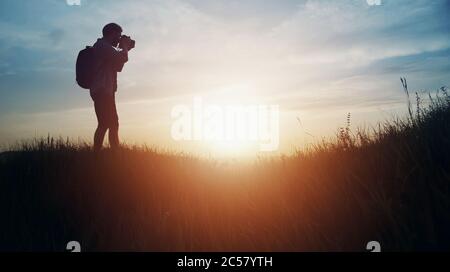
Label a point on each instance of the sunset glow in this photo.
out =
(316, 60)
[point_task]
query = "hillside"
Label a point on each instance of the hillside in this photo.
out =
(390, 184)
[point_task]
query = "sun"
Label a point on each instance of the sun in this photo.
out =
(229, 121)
(232, 148)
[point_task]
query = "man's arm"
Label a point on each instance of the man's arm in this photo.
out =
(117, 58)
(118, 65)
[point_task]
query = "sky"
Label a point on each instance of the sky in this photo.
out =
(316, 60)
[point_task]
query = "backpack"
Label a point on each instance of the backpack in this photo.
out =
(85, 67)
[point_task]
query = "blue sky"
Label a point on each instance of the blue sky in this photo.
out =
(316, 59)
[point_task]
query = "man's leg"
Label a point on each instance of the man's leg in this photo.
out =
(113, 134)
(113, 137)
(101, 112)
(98, 137)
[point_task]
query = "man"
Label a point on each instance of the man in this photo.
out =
(109, 60)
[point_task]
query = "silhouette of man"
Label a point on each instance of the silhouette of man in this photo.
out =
(111, 53)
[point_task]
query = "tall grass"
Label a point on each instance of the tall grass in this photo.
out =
(391, 184)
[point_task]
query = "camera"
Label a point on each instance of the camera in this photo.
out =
(132, 42)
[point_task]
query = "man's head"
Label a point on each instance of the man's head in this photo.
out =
(112, 33)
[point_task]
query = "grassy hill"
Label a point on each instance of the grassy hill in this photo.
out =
(391, 185)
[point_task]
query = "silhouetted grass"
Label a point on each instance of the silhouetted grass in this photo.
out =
(390, 185)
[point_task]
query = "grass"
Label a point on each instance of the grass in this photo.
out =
(391, 185)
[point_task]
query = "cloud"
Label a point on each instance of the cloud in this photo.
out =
(56, 36)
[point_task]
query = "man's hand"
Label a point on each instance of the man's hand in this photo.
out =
(125, 43)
